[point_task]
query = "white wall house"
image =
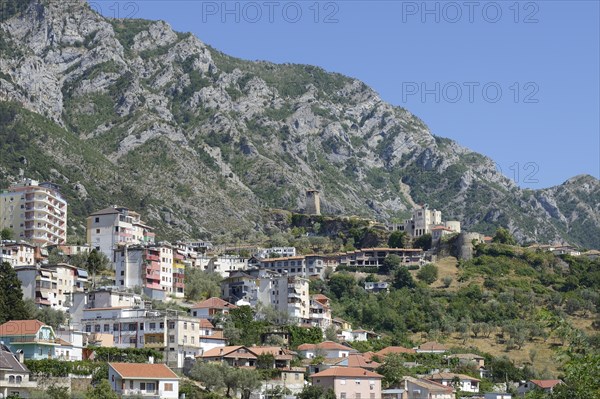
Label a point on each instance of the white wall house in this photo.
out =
(145, 380)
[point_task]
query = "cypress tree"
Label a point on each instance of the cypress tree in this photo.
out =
(12, 306)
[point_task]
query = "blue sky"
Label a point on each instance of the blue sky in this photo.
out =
(516, 81)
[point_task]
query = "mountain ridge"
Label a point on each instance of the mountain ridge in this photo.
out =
(198, 141)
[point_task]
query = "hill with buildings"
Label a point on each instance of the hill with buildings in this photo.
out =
(131, 112)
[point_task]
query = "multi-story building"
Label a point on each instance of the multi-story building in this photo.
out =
(222, 264)
(51, 285)
(143, 380)
(17, 253)
(35, 212)
(211, 308)
(116, 225)
(303, 266)
(320, 311)
(374, 257)
(177, 336)
(158, 269)
(276, 252)
(350, 382)
(287, 294)
(103, 297)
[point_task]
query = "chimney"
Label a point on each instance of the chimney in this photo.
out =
(151, 359)
(20, 356)
(221, 351)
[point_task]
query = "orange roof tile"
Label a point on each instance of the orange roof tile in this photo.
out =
(351, 372)
(220, 351)
(545, 384)
(20, 327)
(214, 303)
(358, 360)
(143, 370)
(450, 376)
(204, 323)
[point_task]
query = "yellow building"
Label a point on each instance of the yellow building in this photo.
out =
(34, 211)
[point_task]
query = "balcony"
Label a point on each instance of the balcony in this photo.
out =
(145, 394)
(154, 344)
(33, 340)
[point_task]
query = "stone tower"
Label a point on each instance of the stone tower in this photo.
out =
(313, 202)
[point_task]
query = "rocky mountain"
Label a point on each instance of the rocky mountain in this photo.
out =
(131, 112)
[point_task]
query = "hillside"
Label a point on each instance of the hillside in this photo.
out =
(131, 112)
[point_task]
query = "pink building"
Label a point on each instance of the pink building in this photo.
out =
(350, 382)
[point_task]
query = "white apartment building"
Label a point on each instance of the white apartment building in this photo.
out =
(177, 336)
(279, 252)
(222, 264)
(103, 297)
(35, 212)
(302, 266)
(115, 225)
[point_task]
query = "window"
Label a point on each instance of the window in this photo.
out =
(20, 379)
(142, 386)
(97, 220)
(161, 325)
(97, 231)
(357, 382)
(185, 326)
(88, 328)
(97, 328)
(185, 339)
(371, 395)
(116, 327)
(168, 387)
(192, 339)
(142, 326)
(106, 328)
(150, 387)
(343, 395)
(130, 384)
(171, 339)
(152, 326)
(11, 379)
(357, 395)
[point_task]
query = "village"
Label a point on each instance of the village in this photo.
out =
(126, 309)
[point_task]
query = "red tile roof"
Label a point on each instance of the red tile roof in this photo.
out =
(350, 372)
(20, 327)
(546, 384)
(358, 360)
(214, 303)
(143, 370)
(204, 323)
(450, 376)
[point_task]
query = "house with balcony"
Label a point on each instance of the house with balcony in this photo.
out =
(247, 356)
(33, 338)
(14, 375)
(374, 257)
(152, 381)
(52, 285)
(349, 382)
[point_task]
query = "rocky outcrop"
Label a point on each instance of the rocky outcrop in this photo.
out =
(158, 118)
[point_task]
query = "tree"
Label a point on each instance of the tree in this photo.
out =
(101, 391)
(209, 374)
(200, 284)
(55, 392)
(248, 381)
(96, 263)
(403, 278)
(423, 242)
(428, 273)
(342, 284)
(50, 316)
(56, 256)
(390, 264)
(393, 369)
(12, 306)
(447, 281)
(6, 234)
(399, 239)
(331, 333)
(581, 378)
(503, 236)
(316, 392)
